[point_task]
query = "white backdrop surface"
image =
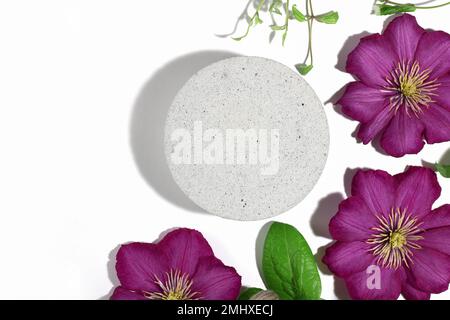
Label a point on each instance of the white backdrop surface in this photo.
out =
(84, 90)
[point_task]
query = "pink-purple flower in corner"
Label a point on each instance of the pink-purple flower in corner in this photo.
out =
(403, 88)
(181, 266)
(389, 241)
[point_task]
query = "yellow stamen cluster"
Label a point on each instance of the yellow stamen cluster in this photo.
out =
(176, 286)
(412, 87)
(395, 239)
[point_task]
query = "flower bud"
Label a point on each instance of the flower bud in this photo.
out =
(384, 9)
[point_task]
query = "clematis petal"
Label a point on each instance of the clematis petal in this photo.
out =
(184, 248)
(430, 271)
(215, 281)
(437, 239)
(417, 190)
(346, 258)
(411, 293)
(403, 135)
(404, 34)
(437, 123)
(353, 221)
(121, 293)
(363, 285)
(376, 188)
(369, 130)
(138, 264)
(372, 60)
(433, 53)
(361, 102)
(439, 217)
(442, 96)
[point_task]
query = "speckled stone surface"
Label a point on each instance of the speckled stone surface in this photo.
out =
(249, 93)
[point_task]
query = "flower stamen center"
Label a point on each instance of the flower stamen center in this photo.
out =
(411, 86)
(175, 286)
(408, 88)
(395, 239)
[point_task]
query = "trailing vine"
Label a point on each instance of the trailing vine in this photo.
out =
(287, 11)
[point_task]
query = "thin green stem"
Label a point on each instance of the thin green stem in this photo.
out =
(286, 23)
(392, 2)
(417, 6)
(311, 8)
(311, 32)
(309, 29)
(310, 13)
(434, 7)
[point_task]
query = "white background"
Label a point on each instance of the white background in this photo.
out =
(84, 87)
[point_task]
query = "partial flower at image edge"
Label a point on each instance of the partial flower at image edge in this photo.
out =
(402, 88)
(388, 238)
(181, 266)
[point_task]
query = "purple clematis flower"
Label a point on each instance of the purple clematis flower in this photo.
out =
(389, 240)
(403, 87)
(182, 266)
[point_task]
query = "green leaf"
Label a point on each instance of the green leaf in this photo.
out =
(248, 293)
(288, 264)
(239, 38)
(258, 19)
(331, 17)
(444, 170)
(303, 68)
(275, 7)
(297, 14)
(277, 11)
(283, 38)
(385, 10)
(277, 28)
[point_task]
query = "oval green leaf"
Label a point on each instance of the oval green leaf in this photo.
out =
(289, 267)
(444, 170)
(297, 14)
(331, 17)
(277, 28)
